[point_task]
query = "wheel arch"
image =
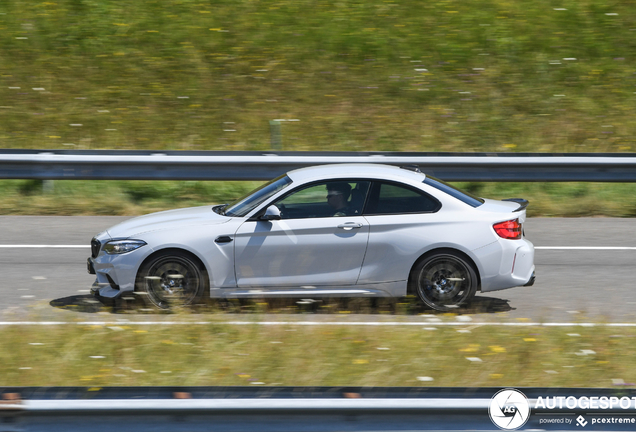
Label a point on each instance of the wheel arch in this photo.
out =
(464, 255)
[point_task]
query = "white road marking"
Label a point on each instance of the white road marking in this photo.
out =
(44, 246)
(318, 323)
(585, 247)
(22, 246)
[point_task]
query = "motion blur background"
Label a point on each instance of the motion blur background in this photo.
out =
(382, 75)
(356, 75)
(372, 75)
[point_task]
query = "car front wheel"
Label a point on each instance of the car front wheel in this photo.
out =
(172, 279)
(444, 281)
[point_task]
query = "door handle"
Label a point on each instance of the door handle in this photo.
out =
(349, 226)
(223, 239)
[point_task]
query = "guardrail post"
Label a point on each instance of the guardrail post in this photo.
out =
(10, 409)
(275, 135)
(48, 186)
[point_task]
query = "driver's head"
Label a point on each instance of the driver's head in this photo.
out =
(338, 193)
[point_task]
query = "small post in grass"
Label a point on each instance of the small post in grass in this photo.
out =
(275, 135)
(48, 187)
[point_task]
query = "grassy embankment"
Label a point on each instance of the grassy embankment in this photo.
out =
(373, 75)
(219, 354)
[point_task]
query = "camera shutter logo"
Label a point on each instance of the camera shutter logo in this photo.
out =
(509, 409)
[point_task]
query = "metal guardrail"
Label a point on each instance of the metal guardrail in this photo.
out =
(237, 409)
(175, 165)
(280, 409)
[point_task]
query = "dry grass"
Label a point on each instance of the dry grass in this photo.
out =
(291, 355)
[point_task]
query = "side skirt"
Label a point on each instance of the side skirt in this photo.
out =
(387, 289)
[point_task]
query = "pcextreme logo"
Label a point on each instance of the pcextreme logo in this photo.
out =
(509, 409)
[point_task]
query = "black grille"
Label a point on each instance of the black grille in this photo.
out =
(96, 245)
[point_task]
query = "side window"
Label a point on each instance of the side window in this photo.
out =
(325, 199)
(393, 198)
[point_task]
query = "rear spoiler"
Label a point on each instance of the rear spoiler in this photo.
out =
(522, 203)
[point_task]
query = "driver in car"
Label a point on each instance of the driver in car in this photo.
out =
(338, 198)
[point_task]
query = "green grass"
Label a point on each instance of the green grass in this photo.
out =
(358, 75)
(30, 197)
(74, 197)
(288, 355)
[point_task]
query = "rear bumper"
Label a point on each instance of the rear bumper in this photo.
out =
(510, 264)
(531, 281)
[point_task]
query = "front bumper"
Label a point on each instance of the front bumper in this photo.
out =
(89, 266)
(105, 290)
(115, 275)
(96, 290)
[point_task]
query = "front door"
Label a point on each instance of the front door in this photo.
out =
(321, 239)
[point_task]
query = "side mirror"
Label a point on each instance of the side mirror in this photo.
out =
(272, 213)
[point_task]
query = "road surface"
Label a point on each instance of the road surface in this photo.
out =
(584, 270)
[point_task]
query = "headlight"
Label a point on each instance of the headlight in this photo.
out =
(116, 247)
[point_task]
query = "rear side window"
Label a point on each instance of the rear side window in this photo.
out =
(394, 198)
(464, 197)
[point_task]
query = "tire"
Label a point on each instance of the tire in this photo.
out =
(172, 279)
(444, 281)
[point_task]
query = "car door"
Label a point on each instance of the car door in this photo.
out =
(403, 220)
(312, 245)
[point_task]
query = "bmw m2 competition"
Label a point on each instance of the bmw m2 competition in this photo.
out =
(325, 231)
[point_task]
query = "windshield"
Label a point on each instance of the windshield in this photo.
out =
(249, 202)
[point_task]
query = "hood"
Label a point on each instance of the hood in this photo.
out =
(170, 219)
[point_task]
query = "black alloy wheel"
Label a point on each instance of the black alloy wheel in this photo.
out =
(172, 279)
(444, 281)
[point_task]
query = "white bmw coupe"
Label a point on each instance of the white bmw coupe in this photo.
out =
(325, 231)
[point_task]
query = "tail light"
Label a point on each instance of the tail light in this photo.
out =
(509, 229)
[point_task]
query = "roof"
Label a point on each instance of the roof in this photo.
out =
(378, 171)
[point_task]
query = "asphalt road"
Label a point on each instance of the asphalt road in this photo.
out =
(573, 285)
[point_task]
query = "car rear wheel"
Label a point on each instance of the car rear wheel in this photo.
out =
(444, 281)
(172, 279)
